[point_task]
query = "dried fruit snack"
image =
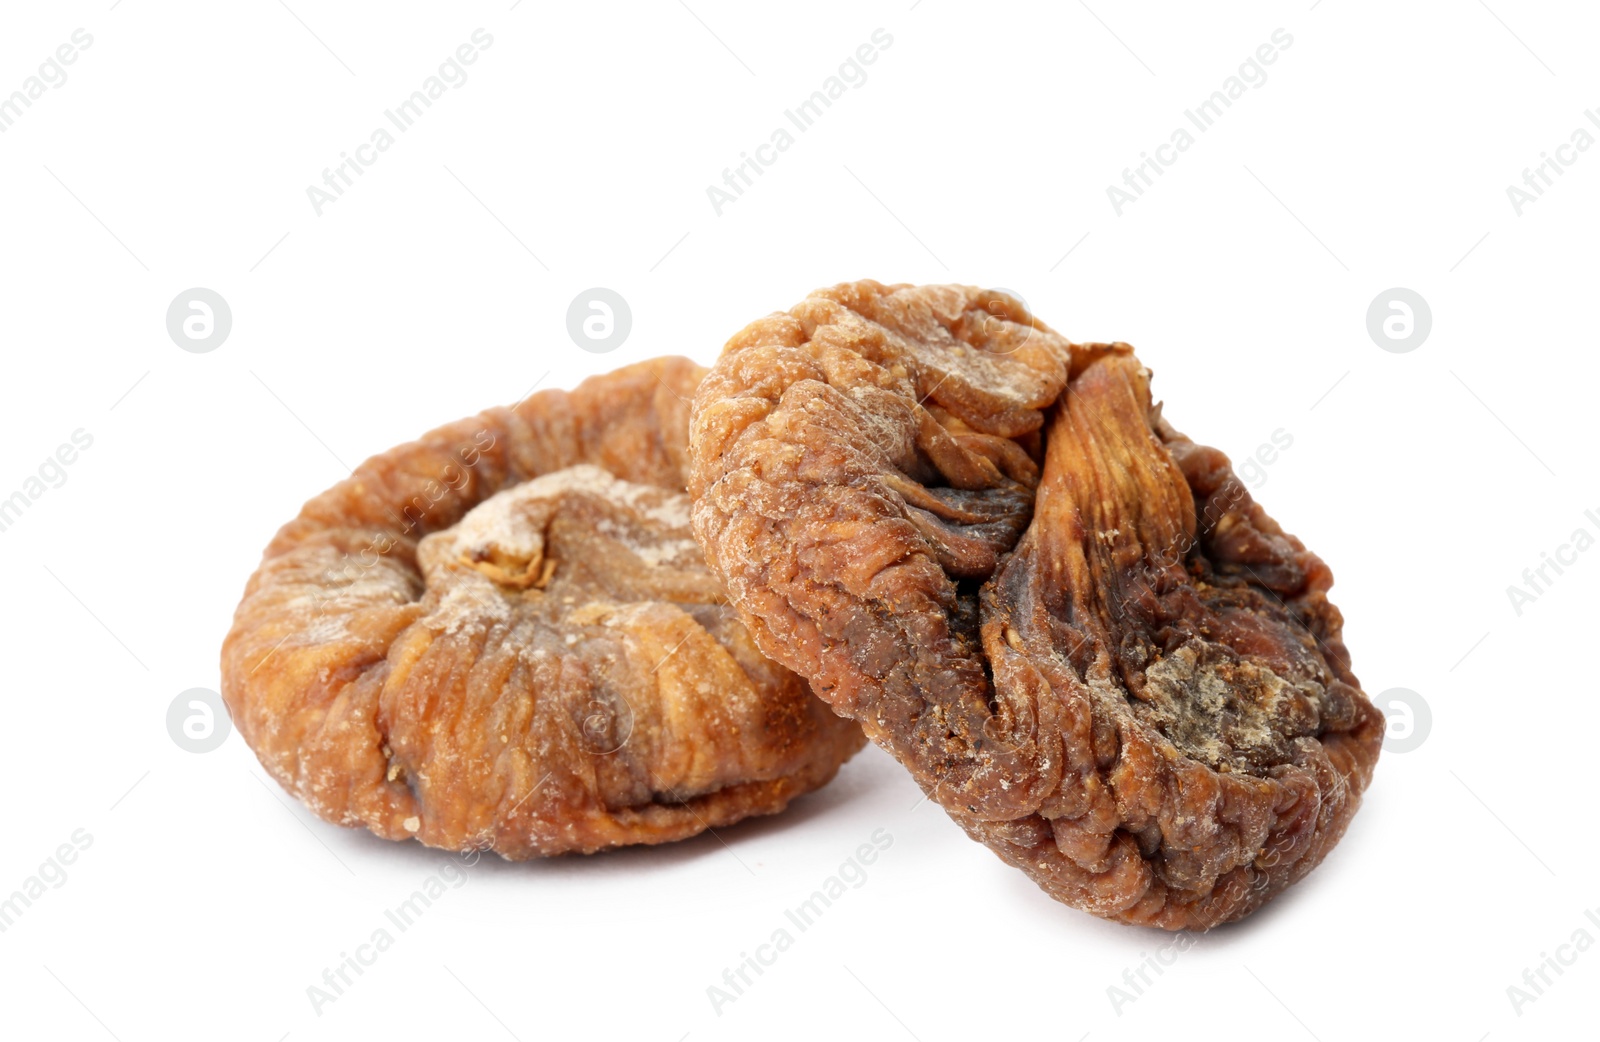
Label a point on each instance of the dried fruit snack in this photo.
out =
(1071, 624)
(502, 636)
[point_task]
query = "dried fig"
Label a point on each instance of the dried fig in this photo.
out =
(1083, 638)
(503, 636)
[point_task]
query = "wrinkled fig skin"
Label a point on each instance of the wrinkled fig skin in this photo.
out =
(850, 458)
(503, 637)
(1119, 674)
(1206, 739)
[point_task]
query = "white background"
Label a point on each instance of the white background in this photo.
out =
(1376, 154)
